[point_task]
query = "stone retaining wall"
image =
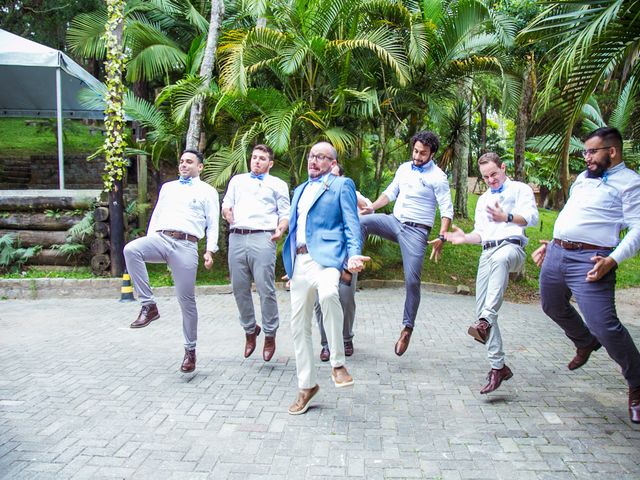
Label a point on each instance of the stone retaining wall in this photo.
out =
(39, 288)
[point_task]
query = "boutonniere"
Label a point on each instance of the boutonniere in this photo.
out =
(325, 184)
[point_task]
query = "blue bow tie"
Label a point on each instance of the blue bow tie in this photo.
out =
(314, 180)
(498, 190)
(258, 176)
(420, 169)
(185, 181)
(603, 175)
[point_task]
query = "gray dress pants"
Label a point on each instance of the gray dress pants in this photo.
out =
(491, 282)
(413, 245)
(347, 294)
(252, 257)
(562, 275)
(182, 258)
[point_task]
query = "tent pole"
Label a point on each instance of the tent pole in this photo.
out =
(59, 121)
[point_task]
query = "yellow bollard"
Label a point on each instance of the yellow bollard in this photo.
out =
(126, 292)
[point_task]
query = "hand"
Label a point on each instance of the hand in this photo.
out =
(277, 234)
(496, 213)
(227, 213)
(366, 210)
(456, 235)
(436, 249)
(356, 263)
(603, 265)
(208, 260)
(540, 253)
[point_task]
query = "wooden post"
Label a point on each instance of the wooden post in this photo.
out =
(116, 224)
(142, 191)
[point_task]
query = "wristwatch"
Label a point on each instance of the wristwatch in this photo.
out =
(442, 238)
(509, 217)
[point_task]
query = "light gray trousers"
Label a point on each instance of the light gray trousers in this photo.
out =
(347, 294)
(182, 258)
(491, 283)
(252, 257)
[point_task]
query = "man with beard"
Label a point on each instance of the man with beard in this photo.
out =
(257, 208)
(324, 230)
(581, 260)
(186, 209)
(418, 187)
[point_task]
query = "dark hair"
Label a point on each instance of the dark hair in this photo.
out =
(428, 139)
(266, 149)
(340, 170)
(606, 134)
(196, 153)
(490, 157)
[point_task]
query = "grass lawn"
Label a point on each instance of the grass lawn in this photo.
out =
(19, 139)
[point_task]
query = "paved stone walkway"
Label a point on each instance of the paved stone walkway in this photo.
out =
(84, 396)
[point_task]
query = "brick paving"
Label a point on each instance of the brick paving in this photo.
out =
(84, 396)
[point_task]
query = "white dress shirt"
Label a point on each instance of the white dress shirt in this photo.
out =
(257, 204)
(304, 204)
(516, 198)
(599, 208)
(189, 209)
(417, 194)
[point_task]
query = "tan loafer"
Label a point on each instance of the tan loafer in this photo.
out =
(302, 403)
(341, 377)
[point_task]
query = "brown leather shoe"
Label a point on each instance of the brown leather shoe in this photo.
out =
(269, 348)
(496, 377)
(341, 377)
(403, 342)
(250, 344)
(348, 348)
(634, 404)
(480, 331)
(301, 405)
(583, 354)
(148, 313)
(325, 354)
(189, 361)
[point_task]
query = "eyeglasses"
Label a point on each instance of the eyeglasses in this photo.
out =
(590, 151)
(319, 156)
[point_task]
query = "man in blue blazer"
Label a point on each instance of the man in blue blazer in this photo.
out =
(323, 231)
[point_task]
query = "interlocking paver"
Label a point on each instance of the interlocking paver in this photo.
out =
(84, 396)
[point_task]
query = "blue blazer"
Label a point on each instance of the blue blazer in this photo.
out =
(332, 229)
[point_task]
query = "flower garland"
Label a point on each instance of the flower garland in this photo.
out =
(114, 144)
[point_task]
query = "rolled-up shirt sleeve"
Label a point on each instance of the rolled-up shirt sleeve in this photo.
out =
(526, 206)
(212, 209)
(391, 192)
(630, 244)
(443, 196)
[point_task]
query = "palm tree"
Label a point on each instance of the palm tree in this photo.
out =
(596, 41)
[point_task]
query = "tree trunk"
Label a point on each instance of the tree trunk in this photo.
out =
(564, 163)
(116, 227)
(524, 115)
(38, 221)
(483, 125)
(382, 134)
(30, 238)
(460, 154)
(194, 134)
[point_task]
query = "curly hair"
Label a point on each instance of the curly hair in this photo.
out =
(428, 139)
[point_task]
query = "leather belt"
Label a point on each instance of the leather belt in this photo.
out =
(495, 243)
(302, 250)
(417, 225)
(245, 231)
(180, 235)
(578, 245)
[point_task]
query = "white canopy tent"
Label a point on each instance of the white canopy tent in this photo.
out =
(38, 81)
